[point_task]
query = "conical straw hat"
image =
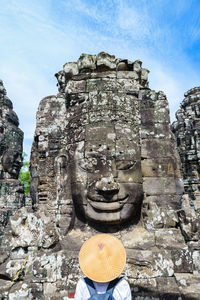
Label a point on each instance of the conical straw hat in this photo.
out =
(102, 258)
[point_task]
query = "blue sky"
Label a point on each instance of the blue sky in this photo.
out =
(39, 36)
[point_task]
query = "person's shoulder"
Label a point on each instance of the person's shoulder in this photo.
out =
(81, 282)
(123, 283)
(81, 290)
(122, 290)
(81, 285)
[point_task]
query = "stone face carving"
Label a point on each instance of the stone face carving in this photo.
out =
(11, 190)
(11, 138)
(106, 184)
(103, 159)
(106, 120)
(186, 130)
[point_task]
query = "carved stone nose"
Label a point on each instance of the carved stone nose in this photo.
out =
(107, 185)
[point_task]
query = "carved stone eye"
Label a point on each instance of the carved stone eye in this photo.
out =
(88, 164)
(125, 165)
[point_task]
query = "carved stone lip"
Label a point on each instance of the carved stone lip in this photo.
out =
(115, 198)
(108, 206)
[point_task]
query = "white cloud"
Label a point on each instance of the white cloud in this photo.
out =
(135, 22)
(25, 87)
(160, 80)
(38, 37)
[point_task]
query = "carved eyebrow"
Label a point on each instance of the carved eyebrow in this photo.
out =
(125, 165)
(94, 154)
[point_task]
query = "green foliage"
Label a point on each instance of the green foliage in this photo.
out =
(24, 175)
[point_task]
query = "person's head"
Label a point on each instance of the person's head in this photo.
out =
(102, 258)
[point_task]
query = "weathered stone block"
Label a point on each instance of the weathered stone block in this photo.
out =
(155, 148)
(158, 217)
(149, 263)
(75, 86)
(196, 261)
(32, 229)
(82, 76)
(183, 262)
(108, 132)
(71, 67)
(122, 65)
(153, 115)
(167, 201)
(188, 285)
(157, 130)
(105, 114)
(168, 288)
(144, 74)
(158, 167)
(5, 285)
(137, 65)
(102, 147)
(94, 85)
(139, 238)
(21, 291)
(159, 185)
(189, 223)
(129, 171)
(170, 239)
(143, 288)
(126, 149)
(105, 61)
(127, 74)
(128, 85)
(87, 62)
(126, 133)
(76, 99)
(106, 74)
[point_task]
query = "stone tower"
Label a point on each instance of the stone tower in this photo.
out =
(108, 134)
(103, 159)
(11, 139)
(187, 132)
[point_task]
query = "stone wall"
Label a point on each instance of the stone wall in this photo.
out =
(103, 159)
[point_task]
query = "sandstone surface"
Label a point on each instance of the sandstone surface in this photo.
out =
(104, 159)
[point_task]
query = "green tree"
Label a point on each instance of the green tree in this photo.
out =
(24, 174)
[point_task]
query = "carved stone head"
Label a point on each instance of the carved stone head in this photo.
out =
(106, 179)
(11, 138)
(103, 151)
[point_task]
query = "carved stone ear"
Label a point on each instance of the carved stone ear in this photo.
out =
(62, 161)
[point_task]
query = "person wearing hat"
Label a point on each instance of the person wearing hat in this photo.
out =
(102, 259)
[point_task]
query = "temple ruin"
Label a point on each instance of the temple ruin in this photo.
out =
(104, 159)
